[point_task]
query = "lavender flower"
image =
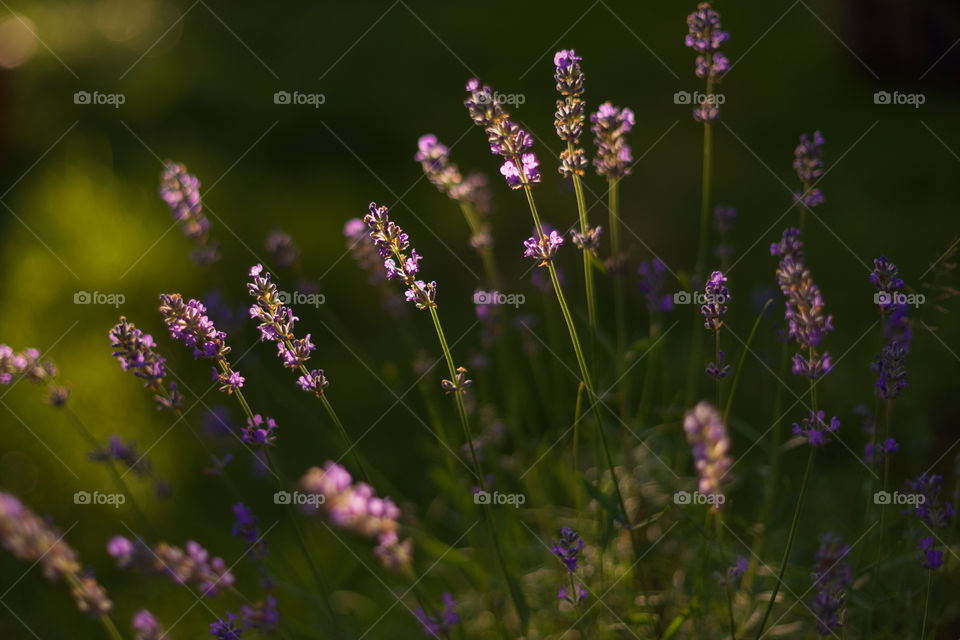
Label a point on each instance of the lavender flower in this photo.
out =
(705, 36)
(181, 191)
(126, 454)
(30, 365)
(890, 364)
(260, 431)
(718, 369)
(710, 443)
(246, 528)
(355, 231)
(932, 557)
(392, 243)
(877, 453)
(930, 510)
(441, 623)
(808, 163)
(226, 628)
(146, 627)
(434, 158)
(135, 351)
(651, 285)
(734, 573)
(610, 125)
(816, 429)
(284, 251)
(891, 370)
(191, 566)
(262, 615)
(806, 321)
(589, 241)
(569, 117)
(33, 539)
(544, 249)
(567, 550)
(459, 385)
(716, 295)
(506, 138)
(832, 577)
(357, 508)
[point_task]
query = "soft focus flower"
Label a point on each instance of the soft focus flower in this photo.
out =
(126, 454)
(192, 565)
(710, 444)
(930, 510)
(30, 365)
(589, 241)
(808, 163)
(33, 539)
(441, 623)
(260, 431)
(181, 191)
(831, 577)
(135, 351)
(226, 628)
(146, 627)
(610, 125)
(284, 251)
(718, 369)
(816, 429)
(651, 285)
(879, 452)
(932, 557)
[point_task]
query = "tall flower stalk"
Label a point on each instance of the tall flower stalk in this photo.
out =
(402, 263)
(521, 170)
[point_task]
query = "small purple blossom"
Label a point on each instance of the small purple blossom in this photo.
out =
(543, 250)
(832, 577)
(718, 369)
(146, 627)
(932, 557)
(527, 173)
(392, 243)
(610, 125)
(569, 117)
(181, 191)
(135, 351)
(816, 429)
(877, 453)
(441, 623)
(651, 284)
(260, 431)
(226, 628)
(930, 510)
(710, 445)
(568, 548)
(705, 36)
(589, 241)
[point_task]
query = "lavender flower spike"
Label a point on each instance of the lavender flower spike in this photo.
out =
(190, 324)
(710, 443)
(441, 624)
(569, 117)
(808, 163)
(705, 36)
(520, 167)
(831, 577)
(610, 125)
(146, 627)
(181, 191)
(393, 244)
(716, 296)
(543, 250)
(30, 365)
(190, 566)
(135, 351)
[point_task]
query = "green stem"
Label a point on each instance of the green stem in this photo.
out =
(587, 265)
(743, 357)
(486, 251)
(926, 605)
(620, 361)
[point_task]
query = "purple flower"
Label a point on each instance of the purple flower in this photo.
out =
(581, 594)
(226, 628)
(815, 428)
(716, 295)
(181, 191)
(718, 369)
(190, 324)
(704, 33)
(568, 548)
(392, 244)
(191, 565)
(127, 455)
(262, 616)
(135, 351)
(515, 177)
(651, 285)
(146, 627)
(260, 431)
(932, 558)
(710, 445)
(543, 250)
(569, 117)
(878, 453)
(929, 509)
(281, 246)
(441, 623)
(610, 125)
(31, 366)
(831, 577)
(891, 370)
(589, 241)
(445, 175)
(808, 163)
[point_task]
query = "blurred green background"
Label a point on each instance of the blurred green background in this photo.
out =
(81, 213)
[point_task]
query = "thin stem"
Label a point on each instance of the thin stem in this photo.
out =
(620, 362)
(111, 628)
(587, 265)
(716, 340)
(790, 538)
(743, 357)
(926, 605)
(486, 251)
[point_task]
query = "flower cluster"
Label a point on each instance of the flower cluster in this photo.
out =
(146, 627)
(808, 162)
(890, 364)
(434, 157)
(931, 511)
(718, 369)
(181, 191)
(191, 566)
(877, 453)
(710, 444)
(705, 36)
(806, 321)
(276, 324)
(458, 385)
(33, 539)
(816, 429)
(610, 125)
(135, 351)
(284, 251)
(544, 249)
(189, 323)
(441, 624)
(30, 365)
(651, 285)
(226, 628)
(716, 296)
(392, 243)
(832, 577)
(355, 507)
(733, 573)
(260, 431)
(567, 550)
(262, 615)
(589, 241)
(520, 167)
(365, 255)
(569, 117)
(126, 454)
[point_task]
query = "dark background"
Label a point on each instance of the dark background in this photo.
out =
(81, 213)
